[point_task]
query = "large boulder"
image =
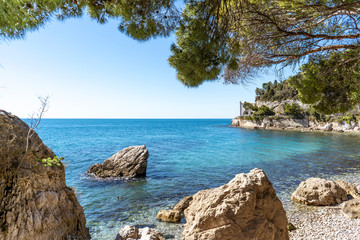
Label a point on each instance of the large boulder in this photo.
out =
(129, 162)
(134, 233)
(319, 192)
(35, 201)
(245, 208)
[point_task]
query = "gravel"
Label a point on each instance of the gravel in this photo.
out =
(316, 223)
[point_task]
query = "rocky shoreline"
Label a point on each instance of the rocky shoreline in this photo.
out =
(302, 125)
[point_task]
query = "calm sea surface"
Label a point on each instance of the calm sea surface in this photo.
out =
(185, 156)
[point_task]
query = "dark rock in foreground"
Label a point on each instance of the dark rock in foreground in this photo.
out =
(129, 162)
(35, 202)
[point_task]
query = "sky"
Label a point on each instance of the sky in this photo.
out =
(90, 70)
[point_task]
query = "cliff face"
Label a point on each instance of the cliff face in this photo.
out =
(35, 201)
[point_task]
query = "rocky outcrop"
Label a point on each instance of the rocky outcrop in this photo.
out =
(35, 201)
(287, 123)
(269, 123)
(134, 233)
(173, 216)
(245, 208)
(319, 192)
(129, 162)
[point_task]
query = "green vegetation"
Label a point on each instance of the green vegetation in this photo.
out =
(258, 113)
(294, 110)
(139, 19)
(330, 83)
(271, 92)
(49, 162)
(349, 118)
(235, 40)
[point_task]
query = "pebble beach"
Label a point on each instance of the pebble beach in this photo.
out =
(328, 222)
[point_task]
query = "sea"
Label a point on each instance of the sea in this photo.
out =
(186, 156)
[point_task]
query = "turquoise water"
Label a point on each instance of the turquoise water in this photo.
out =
(185, 156)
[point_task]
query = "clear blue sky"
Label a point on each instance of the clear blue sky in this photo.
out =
(94, 71)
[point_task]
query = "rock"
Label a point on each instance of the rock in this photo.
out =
(351, 208)
(245, 208)
(319, 192)
(173, 216)
(349, 188)
(35, 201)
(133, 233)
(183, 204)
(129, 162)
(328, 127)
(279, 109)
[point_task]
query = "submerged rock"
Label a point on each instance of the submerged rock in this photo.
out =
(173, 216)
(245, 208)
(35, 201)
(319, 192)
(129, 162)
(134, 233)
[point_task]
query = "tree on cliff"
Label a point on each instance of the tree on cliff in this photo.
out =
(330, 83)
(233, 39)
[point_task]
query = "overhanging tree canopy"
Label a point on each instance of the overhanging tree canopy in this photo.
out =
(233, 39)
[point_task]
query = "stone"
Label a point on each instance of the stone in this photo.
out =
(349, 188)
(134, 233)
(173, 216)
(128, 232)
(129, 162)
(183, 204)
(35, 201)
(319, 192)
(351, 208)
(245, 208)
(328, 127)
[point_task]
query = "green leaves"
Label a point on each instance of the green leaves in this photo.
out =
(49, 162)
(200, 52)
(330, 83)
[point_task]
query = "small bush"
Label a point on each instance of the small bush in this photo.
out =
(49, 162)
(262, 112)
(349, 118)
(294, 110)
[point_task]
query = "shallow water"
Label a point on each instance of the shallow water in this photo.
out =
(186, 156)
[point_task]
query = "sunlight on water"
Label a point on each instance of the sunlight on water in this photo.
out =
(186, 156)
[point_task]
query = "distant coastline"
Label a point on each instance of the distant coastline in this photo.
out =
(302, 125)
